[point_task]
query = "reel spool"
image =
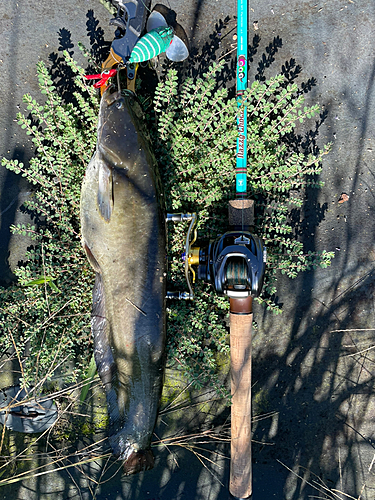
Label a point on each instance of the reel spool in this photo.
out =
(234, 263)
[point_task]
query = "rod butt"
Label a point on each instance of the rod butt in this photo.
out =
(240, 485)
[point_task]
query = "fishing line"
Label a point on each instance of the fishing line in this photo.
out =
(119, 67)
(242, 222)
(145, 6)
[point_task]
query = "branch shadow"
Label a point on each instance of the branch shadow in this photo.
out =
(9, 201)
(295, 392)
(315, 364)
(61, 73)
(319, 378)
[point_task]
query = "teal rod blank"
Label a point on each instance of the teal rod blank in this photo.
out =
(241, 157)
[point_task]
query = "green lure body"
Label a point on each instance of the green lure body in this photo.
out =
(152, 44)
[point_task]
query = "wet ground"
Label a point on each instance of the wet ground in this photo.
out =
(313, 366)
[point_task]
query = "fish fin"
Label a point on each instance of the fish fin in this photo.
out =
(91, 258)
(105, 191)
(98, 299)
(102, 350)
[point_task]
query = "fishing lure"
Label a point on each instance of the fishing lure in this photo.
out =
(164, 35)
(155, 42)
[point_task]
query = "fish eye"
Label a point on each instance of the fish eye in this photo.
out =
(120, 104)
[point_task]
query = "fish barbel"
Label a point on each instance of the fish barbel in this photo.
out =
(123, 234)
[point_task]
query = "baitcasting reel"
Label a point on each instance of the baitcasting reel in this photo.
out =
(234, 263)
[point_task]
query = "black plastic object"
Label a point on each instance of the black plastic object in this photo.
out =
(20, 413)
(234, 263)
(130, 21)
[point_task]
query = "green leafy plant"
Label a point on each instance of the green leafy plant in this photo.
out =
(46, 314)
(195, 141)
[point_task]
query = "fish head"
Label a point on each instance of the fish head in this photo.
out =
(138, 461)
(117, 129)
(136, 456)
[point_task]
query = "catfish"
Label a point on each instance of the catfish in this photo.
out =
(124, 237)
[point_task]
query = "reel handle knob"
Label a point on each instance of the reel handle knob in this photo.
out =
(179, 217)
(179, 295)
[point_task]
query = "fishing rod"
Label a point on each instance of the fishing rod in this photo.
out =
(241, 314)
(234, 264)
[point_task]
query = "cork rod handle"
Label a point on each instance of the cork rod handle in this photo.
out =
(241, 318)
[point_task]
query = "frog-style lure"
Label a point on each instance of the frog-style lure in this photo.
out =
(152, 44)
(164, 34)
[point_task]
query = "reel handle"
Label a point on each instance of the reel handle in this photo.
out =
(189, 252)
(178, 295)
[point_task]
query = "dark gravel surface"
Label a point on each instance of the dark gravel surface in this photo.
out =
(313, 365)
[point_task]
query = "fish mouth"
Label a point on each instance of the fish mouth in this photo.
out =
(138, 461)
